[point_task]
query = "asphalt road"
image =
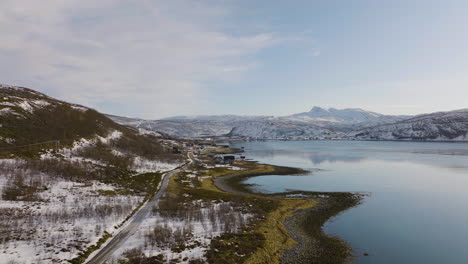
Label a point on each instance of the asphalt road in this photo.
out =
(130, 228)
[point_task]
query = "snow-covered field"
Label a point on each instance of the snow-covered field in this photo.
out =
(49, 219)
(185, 236)
(181, 229)
(62, 220)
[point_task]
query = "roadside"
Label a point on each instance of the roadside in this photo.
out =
(114, 242)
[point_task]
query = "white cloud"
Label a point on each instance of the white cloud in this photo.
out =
(152, 56)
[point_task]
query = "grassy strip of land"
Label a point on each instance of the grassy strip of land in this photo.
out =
(222, 150)
(277, 239)
(235, 181)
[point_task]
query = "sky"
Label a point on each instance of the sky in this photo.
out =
(154, 59)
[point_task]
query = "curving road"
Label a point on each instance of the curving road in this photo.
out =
(129, 229)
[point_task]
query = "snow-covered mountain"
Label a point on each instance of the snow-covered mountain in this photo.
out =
(180, 129)
(317, 123)
(228, 126)
(351, 123)
(217, 118)
(280, 129)
(343, 119)
(249, 127)
(439, 126)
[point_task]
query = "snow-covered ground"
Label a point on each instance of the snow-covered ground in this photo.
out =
(142, 165)
(60, 218)
(66, 218)
(183, 229)
(193, 228)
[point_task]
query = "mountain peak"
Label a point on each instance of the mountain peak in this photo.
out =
(341, 116)
(321, 109)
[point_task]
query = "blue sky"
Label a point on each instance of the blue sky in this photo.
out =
(155, 59)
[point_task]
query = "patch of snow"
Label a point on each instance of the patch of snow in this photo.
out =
(26, 106)
(79, 108)
(5, 110)
(112, 136)
(142, 165)
(7, 140)
(143, 131)
(40, 102)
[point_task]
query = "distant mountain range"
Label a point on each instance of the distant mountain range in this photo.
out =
(23, 111)
(318, 123)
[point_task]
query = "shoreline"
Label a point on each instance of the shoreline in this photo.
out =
(234, 183)
(305, 225)
(348, 139)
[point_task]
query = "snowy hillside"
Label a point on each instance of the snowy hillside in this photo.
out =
(180, 129)
(440, 126)
(250, 128)
(279, 130)
(20, 101)
(30, 117)
(217, 118)
(69, 176)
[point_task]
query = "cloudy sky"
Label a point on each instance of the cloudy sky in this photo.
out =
(154, 59)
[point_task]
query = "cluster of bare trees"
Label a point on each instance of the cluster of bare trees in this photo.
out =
(103, 153)
(145, 146)
(163, 236)
(180, 222)
(50, 215)
(22, 186)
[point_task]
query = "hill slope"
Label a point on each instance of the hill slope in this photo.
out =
(28, 117)
(78, 192)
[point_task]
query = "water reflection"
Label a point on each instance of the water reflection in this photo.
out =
(446, 155)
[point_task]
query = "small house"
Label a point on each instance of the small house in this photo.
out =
(229, 159)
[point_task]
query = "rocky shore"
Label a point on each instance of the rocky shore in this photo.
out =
(305, 227)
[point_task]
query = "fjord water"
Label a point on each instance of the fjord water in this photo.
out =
(417, 208)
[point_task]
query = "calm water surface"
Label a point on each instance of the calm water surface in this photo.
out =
(417, 211)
